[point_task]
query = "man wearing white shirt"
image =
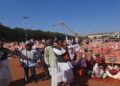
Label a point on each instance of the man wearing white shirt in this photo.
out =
(64, 67)
(28, 58)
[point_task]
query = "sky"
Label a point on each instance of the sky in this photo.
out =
(83, 16)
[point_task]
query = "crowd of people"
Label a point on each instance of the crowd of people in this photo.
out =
(61, 60)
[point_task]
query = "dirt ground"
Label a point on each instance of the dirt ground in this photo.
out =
(17, 76)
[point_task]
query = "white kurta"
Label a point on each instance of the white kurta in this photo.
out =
(64, 71)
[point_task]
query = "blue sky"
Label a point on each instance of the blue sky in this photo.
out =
(84, 16)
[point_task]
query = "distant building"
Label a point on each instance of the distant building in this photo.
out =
(104, 35)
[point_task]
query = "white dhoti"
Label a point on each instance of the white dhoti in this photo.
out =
(53, 73)
(5, 75)
(65, 73)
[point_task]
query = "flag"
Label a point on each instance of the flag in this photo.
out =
(76, 39)
(66, 39)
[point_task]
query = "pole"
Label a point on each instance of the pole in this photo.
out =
(26, 33)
